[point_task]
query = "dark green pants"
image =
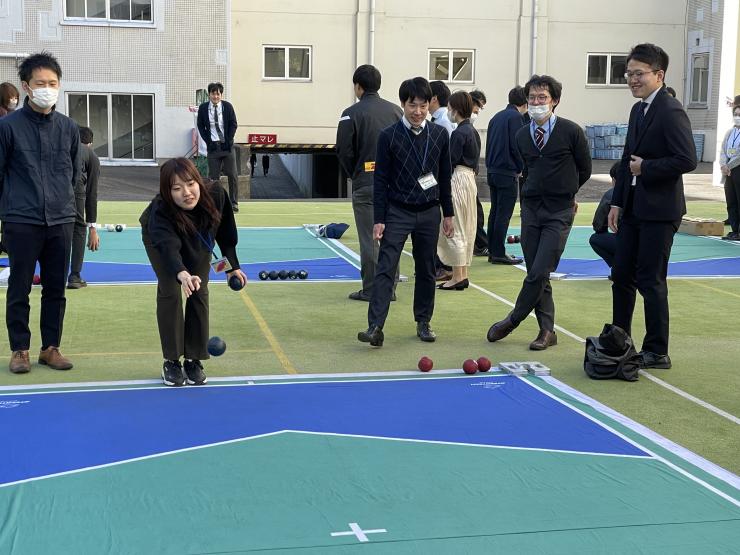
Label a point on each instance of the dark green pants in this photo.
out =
(181, 334)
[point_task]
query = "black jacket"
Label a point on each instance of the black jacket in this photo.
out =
(39, 167)
(555, 174)
(666, 145)
(184, 252)
(600, 222)
(357, 136)
(87, 186)
(229, 125)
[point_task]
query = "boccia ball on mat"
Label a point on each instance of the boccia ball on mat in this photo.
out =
(425, 364)
(235, 283)
(470, 366)
(273, 275)
(517, 238)
(216, 346)
(283, 274)
(302, 274)
(484, 364)
(292, 274)
(119, 228)
(263, 275)
(510, 239)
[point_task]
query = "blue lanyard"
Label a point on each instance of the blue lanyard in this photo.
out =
(422, 161)
(210, 244)
(735, 136)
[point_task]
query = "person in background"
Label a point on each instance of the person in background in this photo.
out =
(265, 164)
(8, 98)
(602, 242)
(86, 200)
(180, 229)
(438, 105)
(457, 250)
(252, 163)
(729, 160)
(671, 91)
(480, 248)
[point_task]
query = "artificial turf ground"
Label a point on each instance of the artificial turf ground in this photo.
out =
(303, 327)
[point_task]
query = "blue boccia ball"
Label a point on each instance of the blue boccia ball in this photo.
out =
(216, 346)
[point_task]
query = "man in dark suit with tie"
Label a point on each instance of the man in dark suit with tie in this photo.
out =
(649, 198)
(217, 126)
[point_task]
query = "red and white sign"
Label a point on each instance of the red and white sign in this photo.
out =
(261, 139)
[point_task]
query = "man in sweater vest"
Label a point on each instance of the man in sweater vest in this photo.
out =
(411, 181)
(557, 160)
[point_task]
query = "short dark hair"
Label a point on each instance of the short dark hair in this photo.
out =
(553, 86)
(441, 91)
(41, 60)
(212, 87)
(736, 101)
(649, 54)
(614, 169)
(418, 87)
(86, 135)
(671, 91)
(479, 98)
(368, 77)
(517, 96)
(462, 103)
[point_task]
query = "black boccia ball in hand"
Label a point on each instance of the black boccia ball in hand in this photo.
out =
(263, 275)
(302, 274)
(283, 274)
(216, 346)
(292, 274)
(273, 274)
(235, 283)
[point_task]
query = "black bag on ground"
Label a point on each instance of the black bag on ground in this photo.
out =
(611, 355)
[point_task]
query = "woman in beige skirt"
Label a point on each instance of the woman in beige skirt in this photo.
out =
(457, 251)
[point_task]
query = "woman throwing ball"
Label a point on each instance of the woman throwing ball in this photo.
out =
(180, 228)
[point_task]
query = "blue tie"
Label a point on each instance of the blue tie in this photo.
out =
(641, 115)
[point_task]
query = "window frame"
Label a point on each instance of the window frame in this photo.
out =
(693, 56)
(608, 84)
(286, 76)
(107, 21)
(109, 100)
(450, 56)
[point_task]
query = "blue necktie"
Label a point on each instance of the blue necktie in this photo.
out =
(641, 115)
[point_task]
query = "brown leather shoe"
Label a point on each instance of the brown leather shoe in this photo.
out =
(20, 362)
(501, 329)
(545, 339)
(54, 359)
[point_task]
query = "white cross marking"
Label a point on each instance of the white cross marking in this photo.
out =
(358, 532)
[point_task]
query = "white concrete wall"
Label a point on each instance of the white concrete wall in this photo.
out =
(300, 168)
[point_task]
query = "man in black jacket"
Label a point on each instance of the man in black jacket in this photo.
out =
(602, 242)
(86, 199)
(649, 197)
(357, 138)
(557, 159)
(39, 168)
(217, 126)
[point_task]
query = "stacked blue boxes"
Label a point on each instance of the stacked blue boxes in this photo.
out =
(606, 141)
(699, 144)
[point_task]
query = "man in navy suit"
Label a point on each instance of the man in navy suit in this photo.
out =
(217, 126)
(649, 198)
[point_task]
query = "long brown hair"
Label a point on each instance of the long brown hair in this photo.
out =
(7, 91)
(205, 212)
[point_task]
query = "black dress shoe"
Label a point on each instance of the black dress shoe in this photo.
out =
(732, 236)
(509, 259)
(373, 335)
(235, 207)
(501, 329)
(76, 282)
(652, 360)
(545, 339)
(459, 286)
(425, 333)
(359, 296)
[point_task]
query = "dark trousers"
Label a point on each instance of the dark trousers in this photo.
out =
(362, 206)
(503, 200)
(181, 335)
(224, 161)
(481, 238)
(605, 245)
(423, 227)
(78, 237)
(49, 246)
(543, 239)
(732, 196)
(641, 264)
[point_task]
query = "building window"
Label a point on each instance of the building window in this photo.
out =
(109, 10)
(286, 62)
(451, 66)
(699, 79)
(122, 124)
(606, 69)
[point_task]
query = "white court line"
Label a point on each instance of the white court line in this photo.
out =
(642, 447)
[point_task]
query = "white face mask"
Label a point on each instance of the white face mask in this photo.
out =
(736, 119)
(13, 104)
(473, 117)
(539, 111)
(45, 97)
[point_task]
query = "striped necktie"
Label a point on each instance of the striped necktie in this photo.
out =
(539, 138)
(218, 127)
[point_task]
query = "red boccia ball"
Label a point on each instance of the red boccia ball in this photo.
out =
(470, 366)
(425, 364)
(484, 365)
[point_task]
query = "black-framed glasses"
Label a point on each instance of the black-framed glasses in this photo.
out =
(638, 74)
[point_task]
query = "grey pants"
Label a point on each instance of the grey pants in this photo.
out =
(225, 161)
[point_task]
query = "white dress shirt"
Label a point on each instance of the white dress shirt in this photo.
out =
(214, 133)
